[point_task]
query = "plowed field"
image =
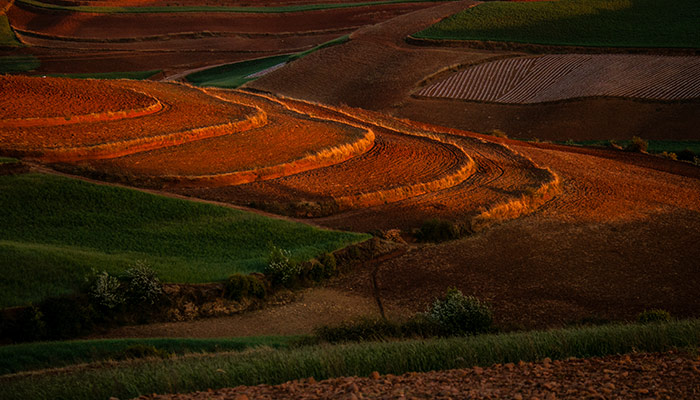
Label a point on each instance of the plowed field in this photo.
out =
(185, 115)
(558, 77)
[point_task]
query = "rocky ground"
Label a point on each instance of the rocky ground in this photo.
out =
(671, 375)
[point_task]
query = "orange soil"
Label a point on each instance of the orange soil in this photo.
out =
(159, 3)
(187, 114)
(25, 98)
(290, 142)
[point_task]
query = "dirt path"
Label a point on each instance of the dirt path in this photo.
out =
(670, 375)
(311, 309)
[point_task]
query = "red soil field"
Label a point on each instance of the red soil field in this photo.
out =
(163, 3)
(289, 143)
(188, 114)
(29, 98)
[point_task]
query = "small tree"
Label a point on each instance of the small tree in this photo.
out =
(143, 285)
(637, 145)
(281, 269)
(458, 314)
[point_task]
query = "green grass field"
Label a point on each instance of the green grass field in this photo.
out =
(601, 23)
(55, 230)
(137, 75)
(7, 37)
(34, 356)
(231, 76)
(190, 9)
(18, 64)
(269, 366)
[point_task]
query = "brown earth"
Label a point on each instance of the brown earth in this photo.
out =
(670, 375)
(67, 42)
(382, 71)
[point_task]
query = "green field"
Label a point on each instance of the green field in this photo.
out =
(600, 23)
(138, 75)
(7, 37)
(190, 9)
(18, 64)
(234, 75)
(33, 356)
(55, 230)
(270, 366)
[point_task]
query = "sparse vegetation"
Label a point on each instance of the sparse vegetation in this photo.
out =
(276, 366)
(654, 315)
(18, 64)
(56, 230)
(602, 23)
(7, 36)
(239, 286)
(438, 230)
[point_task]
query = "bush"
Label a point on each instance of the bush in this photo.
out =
(655, 315)
(280, 269)
(458, 314)
(686, 155)
(67, 317)
(239, 286)
(330, 265)
(105, 290)
(637, 145)
(438, 230)
(28, 326)
(141, 351)
(143, 285)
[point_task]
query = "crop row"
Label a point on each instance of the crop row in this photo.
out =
(563, 76)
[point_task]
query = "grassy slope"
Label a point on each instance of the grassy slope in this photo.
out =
(55, 230)
(18, 64)
(277, 366)
(7, 37)
(188, 9)
(140, 75)
(34, 356)
(236, 74)
(608, 23)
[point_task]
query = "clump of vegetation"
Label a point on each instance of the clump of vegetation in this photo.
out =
(654, 315)
(137, 351)
(239, 286)
(498, 133)
(281, 269)
(460, 314)
(637, 145)
(105, 291)
(438, 230)
(686, 155)
(143, 285)
(669, 155)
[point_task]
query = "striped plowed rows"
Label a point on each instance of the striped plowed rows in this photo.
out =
(563, 76)
(500, 176)
(186, 115)
(289, 143)
(25, 99)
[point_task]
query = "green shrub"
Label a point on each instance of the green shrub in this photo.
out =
(141, 351)
(654, 315)
(106, 291)
(280, 269)
(458, 314)
(637, 145)
(239, 286)
(330, 265)
(438, 230)
(686, 155)
(28, 326)
(143, 285)
(67, 317)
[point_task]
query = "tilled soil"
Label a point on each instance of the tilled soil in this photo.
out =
(670, 375)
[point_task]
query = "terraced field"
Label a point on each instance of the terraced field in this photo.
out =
(527, 80)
